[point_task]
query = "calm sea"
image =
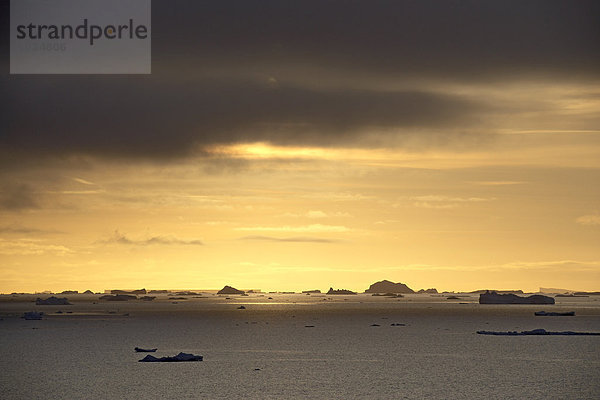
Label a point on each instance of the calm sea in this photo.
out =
(267, 351)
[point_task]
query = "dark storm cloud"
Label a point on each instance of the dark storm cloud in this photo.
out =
(449, 38)
(180, 108)
(117, 117)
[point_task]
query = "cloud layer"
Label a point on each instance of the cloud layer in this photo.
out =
(119, 238)
(319, 73)
(300, 239)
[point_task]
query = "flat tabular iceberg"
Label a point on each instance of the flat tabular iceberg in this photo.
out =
(535, 332)
(178, 358)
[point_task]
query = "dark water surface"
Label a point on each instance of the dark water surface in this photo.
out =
(89, 354)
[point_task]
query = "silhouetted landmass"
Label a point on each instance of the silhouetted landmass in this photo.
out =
(186, 293)
(178, 358)
(496, 291)
(496, 298)
(429, 291)
(386, 286)
(230, 290)
(138, 291)
(88, 292)
(147, 298)
(535, 332)
(158, 291)
(53, 301)
(69, 292)
(340, 291)
(452, 298)
(554, 314)
(587, 293)
(118, 297)
(571, 295)
(311, 291)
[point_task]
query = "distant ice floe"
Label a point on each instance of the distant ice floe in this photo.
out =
(491, 297)
(178, 358)
(536, 332)
(554, 314)
(141, 350)
(32, 315)
(53, 301)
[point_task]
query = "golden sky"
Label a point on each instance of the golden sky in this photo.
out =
(282, 164)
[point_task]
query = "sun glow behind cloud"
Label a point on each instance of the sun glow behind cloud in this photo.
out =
(553, 152)
(262, 150)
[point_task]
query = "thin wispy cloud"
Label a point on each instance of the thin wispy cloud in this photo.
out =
(299, 239)
(18, 196)
(534, 131)
(217, 223)
(435, 206)
(83, 192)
(591, 219)
(559, 265)
(338, 196)
(19, 229)
(305, 228)
(315, 214)
(498, 183)
(83, 181)
(437, 198)
(120, 238)
(26, 247)
(445, 202)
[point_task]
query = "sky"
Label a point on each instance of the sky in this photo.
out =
(301, 145)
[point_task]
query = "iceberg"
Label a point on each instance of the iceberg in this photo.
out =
(140, 350)
(537, 332)
(178, 358)
(52, 301)
(496, 298)
(554, 314)
(32, 315)
(118, 297)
